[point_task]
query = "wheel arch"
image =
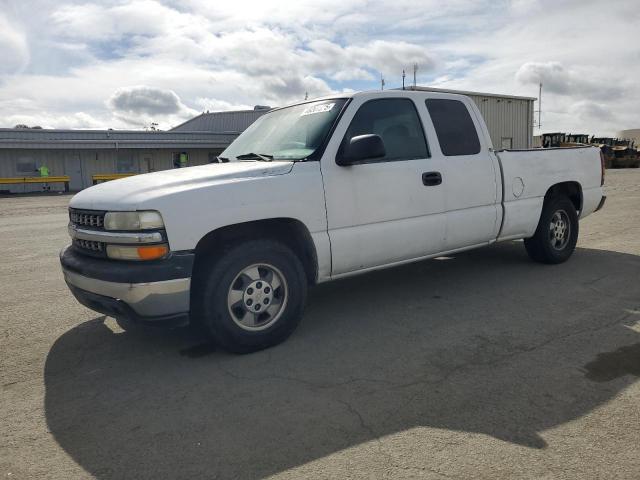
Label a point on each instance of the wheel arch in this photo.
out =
(290, 231)
(572, 190)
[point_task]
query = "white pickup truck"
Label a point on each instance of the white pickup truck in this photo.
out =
(314, 192)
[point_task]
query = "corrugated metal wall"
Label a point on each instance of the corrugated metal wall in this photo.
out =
(507, 118)
(82, 164)
(9, 160)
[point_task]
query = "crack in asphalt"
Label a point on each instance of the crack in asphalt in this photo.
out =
(373, 435)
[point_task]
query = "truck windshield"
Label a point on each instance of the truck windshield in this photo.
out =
(290, 133)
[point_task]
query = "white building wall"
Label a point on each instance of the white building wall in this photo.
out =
(507, 118)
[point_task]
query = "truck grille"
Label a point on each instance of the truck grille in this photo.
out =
(86, 218)
(90, 219)
(89, 245)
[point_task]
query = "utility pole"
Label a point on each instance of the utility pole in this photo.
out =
(381, 81)
(306, 95)
(415, 70)
(403, 75)
(540, 108)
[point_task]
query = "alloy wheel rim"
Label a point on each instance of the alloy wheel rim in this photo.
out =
(559, 230)
(257, 297)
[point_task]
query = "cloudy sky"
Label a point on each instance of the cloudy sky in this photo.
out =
(127, 63)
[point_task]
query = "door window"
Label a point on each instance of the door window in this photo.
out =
(396, 121)
(454, 127)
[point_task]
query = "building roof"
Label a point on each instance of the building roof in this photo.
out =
(109, 139)
(475, 94)
(222, 122)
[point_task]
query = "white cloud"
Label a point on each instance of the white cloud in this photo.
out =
(557, 79)
(77, 120)
(587, 110)
(552, 74)
(108, 22)
(14, 48)
(140, 105)
(142, 99)
(217, 105)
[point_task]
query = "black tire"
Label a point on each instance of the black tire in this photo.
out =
(544, 247)
(212, 289)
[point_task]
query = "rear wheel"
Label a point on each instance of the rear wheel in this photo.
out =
(252, 297)
(557, 232)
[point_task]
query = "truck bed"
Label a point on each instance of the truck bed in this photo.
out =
(527, 175)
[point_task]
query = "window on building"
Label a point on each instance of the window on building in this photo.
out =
(454, 127)
(26, 165)
(125, 163)
(396, 121)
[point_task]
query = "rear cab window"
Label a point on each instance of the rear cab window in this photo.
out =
(454, 127)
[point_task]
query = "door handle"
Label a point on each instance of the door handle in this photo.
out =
(431, 178)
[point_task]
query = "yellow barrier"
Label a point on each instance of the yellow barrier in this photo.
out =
(105, 177)
(17, 180)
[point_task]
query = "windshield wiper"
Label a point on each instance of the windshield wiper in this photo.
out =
(222, 160)
(263, 157)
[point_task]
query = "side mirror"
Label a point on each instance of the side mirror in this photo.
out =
(361, 147)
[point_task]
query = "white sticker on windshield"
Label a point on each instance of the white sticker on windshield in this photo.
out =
(324, 107)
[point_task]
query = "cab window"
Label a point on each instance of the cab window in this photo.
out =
(396, 121)
(454, 127)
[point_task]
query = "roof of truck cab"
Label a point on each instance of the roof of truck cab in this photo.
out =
(364, 93)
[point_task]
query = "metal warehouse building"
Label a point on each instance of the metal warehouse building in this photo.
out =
(80, 154)
(509, 118)
(233, 121)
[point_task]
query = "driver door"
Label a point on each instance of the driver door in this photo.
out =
(384, 210)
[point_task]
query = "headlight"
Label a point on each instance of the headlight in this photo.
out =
(148, 252)
(145, 220)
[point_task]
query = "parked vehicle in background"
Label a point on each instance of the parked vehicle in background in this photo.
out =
(564, 140)
(314, 192)
(617, 153)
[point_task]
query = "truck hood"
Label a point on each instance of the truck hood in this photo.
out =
(138, 191)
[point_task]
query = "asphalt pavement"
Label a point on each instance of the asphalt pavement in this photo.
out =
(479, 365)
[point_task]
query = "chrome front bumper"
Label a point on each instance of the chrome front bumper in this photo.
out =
(154, 299)
(150, 292)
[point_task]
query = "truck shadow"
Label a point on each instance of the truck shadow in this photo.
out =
(484, 342)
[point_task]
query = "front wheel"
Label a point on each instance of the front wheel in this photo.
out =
(252, 297)
(557, 233)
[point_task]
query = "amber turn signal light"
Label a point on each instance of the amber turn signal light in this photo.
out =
(152, 252)
(134, 252)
